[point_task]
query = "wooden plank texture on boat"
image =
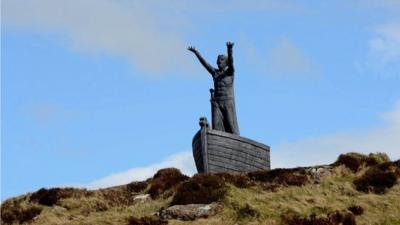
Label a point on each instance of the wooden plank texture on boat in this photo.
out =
(217, 151)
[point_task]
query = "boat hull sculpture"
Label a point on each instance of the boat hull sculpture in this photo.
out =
(218, 151)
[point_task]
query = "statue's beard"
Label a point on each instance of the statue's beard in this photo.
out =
(221, 67)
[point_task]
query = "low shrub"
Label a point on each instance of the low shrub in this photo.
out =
(11, 213)
(165, 179)
(376, 180)
(8, 216)
(356, 210)
(267, 175)
(237, 179)
(247, 212)
(377, 158)
(355, 161)
(136, 186)
(29, 213)
(292, 219)
(292, 179)
(397, 163)
(349, 219)
(146, 221)
(336, 218)
(97, 205)
(117, 196)
(287, 177)
(50, 197)
(387, 166)
(200, 189)
(273, 187)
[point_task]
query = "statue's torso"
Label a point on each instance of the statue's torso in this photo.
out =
(223, 84)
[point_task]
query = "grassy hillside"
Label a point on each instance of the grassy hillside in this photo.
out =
(356, 189)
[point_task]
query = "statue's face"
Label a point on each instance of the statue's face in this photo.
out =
(221, 61)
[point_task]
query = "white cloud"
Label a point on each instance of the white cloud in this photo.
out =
(150, 34)
(325, 149)
(183, 161)
(122, 28)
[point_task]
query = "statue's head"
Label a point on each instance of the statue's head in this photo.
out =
(222, 61)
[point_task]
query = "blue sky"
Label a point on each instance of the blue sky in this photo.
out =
(97, 93)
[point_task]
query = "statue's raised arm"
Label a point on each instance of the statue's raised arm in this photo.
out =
(229, 47)
(203, 62)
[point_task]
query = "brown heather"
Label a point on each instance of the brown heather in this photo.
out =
(200, 189)
(147, 220)
(355, 161)
(137, 186)
(164, 180)
(378, 178)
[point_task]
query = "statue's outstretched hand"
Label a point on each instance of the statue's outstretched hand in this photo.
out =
(229, 44)
(192, 49)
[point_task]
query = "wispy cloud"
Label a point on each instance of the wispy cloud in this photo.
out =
(392, 6)
(183, 161)
(246, 6)
(325, 149)
(284, 59)
(287, 58)
(44, 113)
(383, 55)
(150, 34)
(385, 47)
(122, 28)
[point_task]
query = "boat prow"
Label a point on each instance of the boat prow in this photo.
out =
(218, 151)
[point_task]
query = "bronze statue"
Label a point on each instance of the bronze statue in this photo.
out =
(222, 96)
